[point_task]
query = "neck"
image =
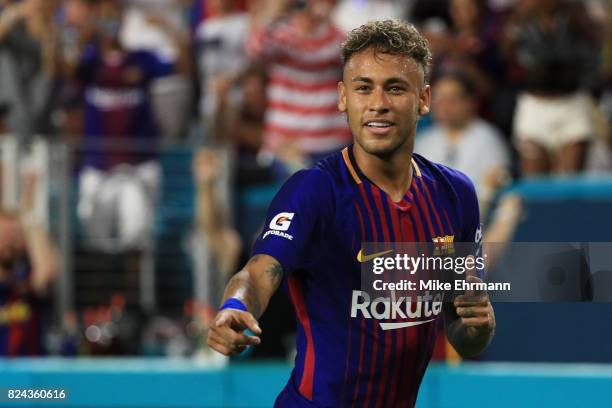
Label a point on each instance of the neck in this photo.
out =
(393, 173)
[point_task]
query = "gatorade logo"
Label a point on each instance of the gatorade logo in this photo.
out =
(280, 222)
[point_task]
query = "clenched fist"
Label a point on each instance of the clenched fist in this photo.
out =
(475, 310)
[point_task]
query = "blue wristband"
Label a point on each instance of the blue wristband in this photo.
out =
(233, 303)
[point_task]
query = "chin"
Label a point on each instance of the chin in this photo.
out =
(381, 148)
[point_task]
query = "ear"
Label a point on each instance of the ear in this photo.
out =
(341, 97)
(425, 100)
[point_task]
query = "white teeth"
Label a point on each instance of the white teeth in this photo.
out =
(379, 124)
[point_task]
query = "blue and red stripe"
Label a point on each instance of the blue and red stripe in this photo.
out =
(297, 296)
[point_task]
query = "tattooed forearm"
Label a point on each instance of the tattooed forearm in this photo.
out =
(275, 271)
(256, 283)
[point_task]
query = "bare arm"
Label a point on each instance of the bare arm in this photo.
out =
(469, 322)
(223, 240)
(206, 169)
(43, 256)
(42, 253)
(224, 117)
(254, 285)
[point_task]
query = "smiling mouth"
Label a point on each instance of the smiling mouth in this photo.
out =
(378, 124)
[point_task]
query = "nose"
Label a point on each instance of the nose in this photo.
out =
(379, 102)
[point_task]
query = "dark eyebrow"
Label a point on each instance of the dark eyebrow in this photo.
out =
(393, 80)
(396, 80)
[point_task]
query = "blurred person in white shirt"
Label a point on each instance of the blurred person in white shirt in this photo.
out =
(462, 140)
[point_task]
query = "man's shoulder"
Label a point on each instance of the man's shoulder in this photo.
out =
(442, 174)
(307, 178)
(322, 179)
(332, 163)
(456, 186)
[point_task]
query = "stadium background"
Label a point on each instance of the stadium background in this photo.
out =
(142, 299)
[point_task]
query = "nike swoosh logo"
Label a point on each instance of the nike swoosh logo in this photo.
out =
(393, 326)
(365, 258)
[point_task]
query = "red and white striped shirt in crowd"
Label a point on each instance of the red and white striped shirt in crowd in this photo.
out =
(304, 70)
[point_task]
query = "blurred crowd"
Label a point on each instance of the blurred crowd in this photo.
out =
(521, 88)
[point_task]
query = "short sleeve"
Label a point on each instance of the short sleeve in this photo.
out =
(471, 232)
(298, 213)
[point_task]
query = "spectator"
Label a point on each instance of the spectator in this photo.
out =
(28, 266)
(301, 50)
(171, 95)
(115, 81)
(137, 33)
(77, 28)
(242, 126)
(462, 140)
(476, 36)
(29, 42)
(221, 246)
(471, 48)
(119, 185)
(553, 43)
(220, 56)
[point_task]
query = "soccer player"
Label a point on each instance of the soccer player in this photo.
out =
(375, 190)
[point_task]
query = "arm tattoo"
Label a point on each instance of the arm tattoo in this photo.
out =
(275, 271)
(249, 289)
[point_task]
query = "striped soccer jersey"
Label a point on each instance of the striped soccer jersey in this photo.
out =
(304, 72)
(315, 228)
